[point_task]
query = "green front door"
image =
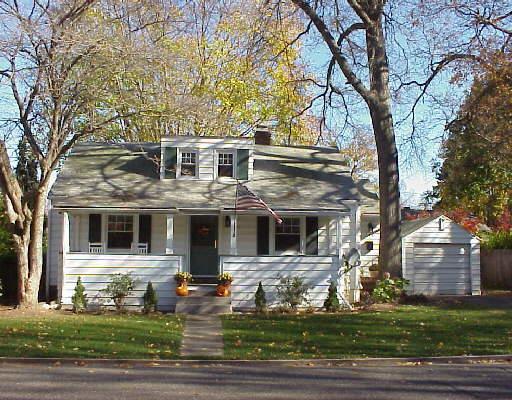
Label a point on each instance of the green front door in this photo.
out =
(204, 255)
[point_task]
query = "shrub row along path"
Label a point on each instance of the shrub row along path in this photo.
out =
(202, 337)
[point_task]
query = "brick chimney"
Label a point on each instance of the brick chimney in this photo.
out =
(262, 135)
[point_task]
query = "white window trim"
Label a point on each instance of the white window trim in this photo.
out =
(180, 151)
(133, 247)
(302, 238)
(216, 164)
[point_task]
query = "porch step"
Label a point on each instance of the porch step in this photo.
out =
(203, 305)
(202, 290)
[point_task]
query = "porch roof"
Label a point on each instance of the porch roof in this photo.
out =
(99, 175)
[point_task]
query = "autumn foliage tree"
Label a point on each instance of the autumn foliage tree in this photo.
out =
(217, 68)
(48, 59)
(476, 174)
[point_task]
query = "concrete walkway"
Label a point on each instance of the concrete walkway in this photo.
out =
(202, 337)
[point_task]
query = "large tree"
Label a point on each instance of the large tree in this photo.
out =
(386, 50)
(48, 58)
(217, 67)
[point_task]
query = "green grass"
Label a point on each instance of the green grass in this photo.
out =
(407, 331)
(91, 336)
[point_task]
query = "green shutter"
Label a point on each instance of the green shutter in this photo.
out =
(242, 170)
(94, 228)
(311, 235)
(170, 162)
(262, 236)
(145, 230)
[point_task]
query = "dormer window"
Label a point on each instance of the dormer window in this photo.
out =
(188, 166)
(225, 165)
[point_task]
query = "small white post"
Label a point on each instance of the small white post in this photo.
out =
(169, 241)
(65, 250)
(233, 235)
(355, 279)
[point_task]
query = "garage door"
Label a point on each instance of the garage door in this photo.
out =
(441, 269)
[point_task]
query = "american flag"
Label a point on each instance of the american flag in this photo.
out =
(245, 200)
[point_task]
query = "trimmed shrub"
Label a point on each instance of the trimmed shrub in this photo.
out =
(120, 287)
(389, 290)
(497, 240)
(332, 303)
(260, 299)
(79, 298)
(292, 292)
(150, 299)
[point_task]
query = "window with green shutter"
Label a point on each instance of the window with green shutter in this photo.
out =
(242, 170)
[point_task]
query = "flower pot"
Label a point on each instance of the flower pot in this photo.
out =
(182, 289)
(223, 289)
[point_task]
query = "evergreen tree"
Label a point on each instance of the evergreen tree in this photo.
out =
(260, 299)
(150, 298)
(332, 303)
(79, 299)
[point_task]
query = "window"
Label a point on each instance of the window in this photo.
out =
(188, 163)
(225, 165)
(288, 236)
(120, 231)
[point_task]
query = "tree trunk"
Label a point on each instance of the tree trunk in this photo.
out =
(29, 250)
(390, 255)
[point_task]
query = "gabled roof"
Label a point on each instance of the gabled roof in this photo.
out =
(410, 226)
(127, 176)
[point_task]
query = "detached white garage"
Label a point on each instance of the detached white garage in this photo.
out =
(440, 257)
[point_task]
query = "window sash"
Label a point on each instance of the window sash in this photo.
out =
(225, 164)
(120, 231)
(288, 236)
(288, 226)
(188, 164)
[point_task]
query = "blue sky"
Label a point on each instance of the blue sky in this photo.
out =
(415, 161)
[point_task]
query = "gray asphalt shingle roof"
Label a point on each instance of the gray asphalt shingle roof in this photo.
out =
(411, 226)
(127, 176)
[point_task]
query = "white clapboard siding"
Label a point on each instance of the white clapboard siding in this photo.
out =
(54, 246)
(249, 271)
(369, 258)
(96, 271)
(323, 236)
(442, 261)
(247, 236)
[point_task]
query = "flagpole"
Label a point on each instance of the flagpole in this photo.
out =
(236, 197)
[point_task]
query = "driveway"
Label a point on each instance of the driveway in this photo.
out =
(255, 381)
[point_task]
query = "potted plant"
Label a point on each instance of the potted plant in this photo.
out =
(223, 284)
(182, 279)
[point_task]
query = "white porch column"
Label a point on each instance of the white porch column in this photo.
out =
(355, 273)
(65, 251)
(169, 241)
(233, 233)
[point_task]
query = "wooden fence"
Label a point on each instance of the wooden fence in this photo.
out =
(496, 269)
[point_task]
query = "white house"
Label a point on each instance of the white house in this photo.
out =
(116, 208)
(153, 209)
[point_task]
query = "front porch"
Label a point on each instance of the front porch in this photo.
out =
(154, 245)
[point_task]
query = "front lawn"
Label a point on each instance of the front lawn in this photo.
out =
(407, 331)
(90, 336)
